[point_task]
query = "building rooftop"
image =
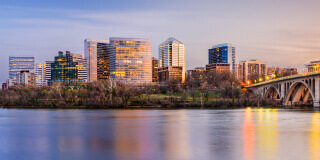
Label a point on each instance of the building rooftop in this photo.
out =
(222, 45)
(170, 39)
(129, 39)
(315, 62)
(96, 40)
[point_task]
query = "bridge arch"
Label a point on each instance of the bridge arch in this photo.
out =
(272, 92)
(299, 93)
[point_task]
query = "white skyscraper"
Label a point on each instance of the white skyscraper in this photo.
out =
(48, 71)
(172, 53)
(41, 74)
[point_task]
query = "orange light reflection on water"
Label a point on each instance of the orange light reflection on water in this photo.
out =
(248, 135)
(131, 139)
(315, 137)
(267, 133)
(260, 133)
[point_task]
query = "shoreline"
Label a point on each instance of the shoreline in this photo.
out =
(151, 108)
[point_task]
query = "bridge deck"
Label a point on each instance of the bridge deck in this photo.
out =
(284, 78)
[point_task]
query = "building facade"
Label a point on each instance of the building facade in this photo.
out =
(130, 60)
(253, 71)
(276, 72)
(155, 67)
(64, 69)
(19, 63)
(170, 74)
(238, 71)
(313, 66)
(272, 71)
(11, 82)
(48, 71)
(172, 53)
(4, 86)
(218, 67)
(198, 72)
(95, 49)
(26, 77)
(223, 53)
(81, 67)
(103, 70)
(41, 74)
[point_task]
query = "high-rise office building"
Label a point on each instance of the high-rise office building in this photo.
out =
(223, 53)
(19, 63)
(130, 60)
(95, 49)
(41, 74)
(155, 67)
(81, 67)
(253, 71)
(103, 69)
(172, 53)
(48, 71)
(64, 69)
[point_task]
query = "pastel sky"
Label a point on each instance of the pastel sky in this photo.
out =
(280, 32)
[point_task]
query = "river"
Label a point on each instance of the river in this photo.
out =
(159, 134)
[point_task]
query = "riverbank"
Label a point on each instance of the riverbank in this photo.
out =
(110, 95)
(153, 107)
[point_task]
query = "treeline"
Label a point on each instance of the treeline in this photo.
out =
(214, 89)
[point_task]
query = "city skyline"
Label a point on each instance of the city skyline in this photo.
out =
(259, 30)
(151, 79)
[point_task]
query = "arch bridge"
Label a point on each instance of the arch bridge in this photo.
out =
(301, 89)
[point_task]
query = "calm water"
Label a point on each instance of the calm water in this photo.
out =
(159, 134)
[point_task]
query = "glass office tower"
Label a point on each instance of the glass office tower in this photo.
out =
(223, 53)
(19, 63)
(64, 69)
(95, 49)
(130, 60)
(155, 67)
(172, 53)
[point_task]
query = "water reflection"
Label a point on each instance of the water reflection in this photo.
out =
(160, 134)
(176, 136)
(315, 136)
(248, 134)
(260, 133)
(132, 135)
(267, 133)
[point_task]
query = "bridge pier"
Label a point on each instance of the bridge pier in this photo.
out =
(282, 91)
(316, 100)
